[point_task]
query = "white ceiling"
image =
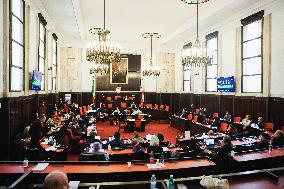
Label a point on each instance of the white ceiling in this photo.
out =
(128, 19)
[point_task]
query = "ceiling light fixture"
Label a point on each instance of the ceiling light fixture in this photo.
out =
(195, 54)
(151, 70)
(103, 52)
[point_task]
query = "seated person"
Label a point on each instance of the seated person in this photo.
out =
(161, 140)
(192, 109)
(133, 105)
(260, 123)
(56, 117)
(246, 131)
(95, 149)
(154, 145)
(85, 118)
(116, 143)
(215, 123)
(227, 117)
(92, 138)
(246, 121)
(183, 113)
(263, 141)
(55, 180)
(221, 158)
(277, 138)
(231, 130)
(137, 146)
(74, 126)
(137, 137)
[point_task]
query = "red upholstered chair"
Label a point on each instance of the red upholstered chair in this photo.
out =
(116, 97)
(65, 109)
(223, 127)
(141, 105)
(197, 111)
(123, 105)
(161, 107)
(131, 98)
(215, 114)
(189, 116)
(138, 124)
(84, 109)
(109, 98)
(140, 117)
(149, 105)
(195, 118)
(167, 108)
(156, 106)
(81, 111)
(122, 125)
(268, 126)
(109, 105)
(237, 119)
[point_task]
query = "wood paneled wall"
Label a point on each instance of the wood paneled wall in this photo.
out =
(17, 113)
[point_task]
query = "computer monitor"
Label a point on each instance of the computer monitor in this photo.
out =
(209, 141)
(110, 138)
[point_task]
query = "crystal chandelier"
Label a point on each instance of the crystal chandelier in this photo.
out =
(151, 70)
(195, 54)
(99, 68)
(103, 52)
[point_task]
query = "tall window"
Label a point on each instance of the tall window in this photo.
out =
(54, 61)
(17, 46)
(212, 70)
(41, 48)
(252, 53)
(186, 78)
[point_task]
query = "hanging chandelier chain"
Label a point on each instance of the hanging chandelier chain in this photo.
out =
(151, 59)
(104, 14)
(197, 20)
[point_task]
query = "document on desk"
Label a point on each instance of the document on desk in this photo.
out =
(40, 166)
(74, 184)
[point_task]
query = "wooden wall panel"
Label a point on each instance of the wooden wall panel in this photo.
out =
(227, 104)
(276, 111)
(211, 102)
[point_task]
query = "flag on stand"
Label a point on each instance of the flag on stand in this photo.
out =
(93, 92)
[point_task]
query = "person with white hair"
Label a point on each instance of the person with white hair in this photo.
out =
(56, 180)
(154, 145)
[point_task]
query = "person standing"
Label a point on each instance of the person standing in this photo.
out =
(36, 131)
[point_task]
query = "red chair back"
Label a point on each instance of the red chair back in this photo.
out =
(123, 105)
(237, 119)
(189, 116)
(215, 114)
(116, 97)
(65, 109)
(141, 105)
(149, 105)
(156, 106)
(223, 127)
(81, 110)
(138, 124)
(109, 105)
(197, 111)
(109, 98)
(88, 107)
(167, 108)
(268, 126)
(131, 98)
(84, 109)
(195, 118)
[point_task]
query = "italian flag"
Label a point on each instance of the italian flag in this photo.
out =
(93, 92)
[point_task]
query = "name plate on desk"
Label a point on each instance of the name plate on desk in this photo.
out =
(40, 166)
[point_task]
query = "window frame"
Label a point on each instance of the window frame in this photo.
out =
(11, 40)
(246, 21)
(43, 23)
(54, 65)
(209, 37)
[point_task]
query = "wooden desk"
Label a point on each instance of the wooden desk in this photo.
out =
(14, 168)
(259, 155)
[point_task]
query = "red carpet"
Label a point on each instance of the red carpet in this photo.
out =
(105, 130)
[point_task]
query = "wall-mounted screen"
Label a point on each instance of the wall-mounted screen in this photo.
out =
(226, 84)
(36, 80)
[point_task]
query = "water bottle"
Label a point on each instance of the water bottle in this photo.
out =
(25, 162)
(107, 156)
(152, 159)
(162, 159)
(270, 147)
(233, 153)
(171, 184)
(153, 182)
(109, 147)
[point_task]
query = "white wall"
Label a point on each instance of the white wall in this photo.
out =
(277, 50)
(1, 48)
(227, 48)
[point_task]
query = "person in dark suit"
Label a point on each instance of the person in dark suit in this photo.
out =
(116, 143)
(137, 146)
(264, 141)
(227, 117)
(60, 104)
(92, 138)
(36, 131)
(222, 157)
(260, 123)
(75, 128)
(154, 146)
